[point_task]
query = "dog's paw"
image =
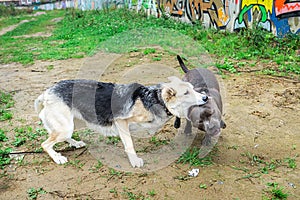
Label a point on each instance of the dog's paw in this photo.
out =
(135, 161)
(59, 159)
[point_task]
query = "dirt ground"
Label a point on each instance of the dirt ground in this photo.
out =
(261, 113)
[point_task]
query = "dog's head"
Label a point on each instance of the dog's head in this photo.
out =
(179, 96)
(207, 118)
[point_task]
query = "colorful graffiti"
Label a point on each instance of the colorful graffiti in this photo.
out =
(287, 8)
(195, 10)
(277, 16)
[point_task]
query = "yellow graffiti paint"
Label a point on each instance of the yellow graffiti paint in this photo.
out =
(268, 4)
(222, 16)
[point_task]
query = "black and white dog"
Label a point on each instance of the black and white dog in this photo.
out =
(112, 109)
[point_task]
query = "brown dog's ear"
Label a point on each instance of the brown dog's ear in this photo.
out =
(222, 124)
(168, 93)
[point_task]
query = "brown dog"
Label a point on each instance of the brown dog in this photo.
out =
(207, 117)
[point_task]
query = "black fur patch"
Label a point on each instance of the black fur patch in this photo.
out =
(100, 103)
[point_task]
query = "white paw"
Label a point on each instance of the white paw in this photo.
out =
(59, 159)
(135, 161)
(79, 144)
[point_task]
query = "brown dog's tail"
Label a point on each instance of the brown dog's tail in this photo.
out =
(183, 67)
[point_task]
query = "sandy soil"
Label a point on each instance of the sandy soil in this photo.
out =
(261, 112)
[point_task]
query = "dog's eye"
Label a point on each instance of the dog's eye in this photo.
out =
(186, 93)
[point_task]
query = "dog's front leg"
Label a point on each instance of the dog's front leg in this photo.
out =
(123, 129)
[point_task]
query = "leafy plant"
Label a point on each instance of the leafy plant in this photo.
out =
(6, 102)
(276, 192)
(203, 186)
(3, 137)
(291, 162)
(33, 192)
(4, 157)
(191, 157)
(114, 140)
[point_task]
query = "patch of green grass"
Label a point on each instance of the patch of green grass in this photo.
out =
(263, 167)
(33, 193)
(203, 186)
(96, 167)
(132, 196)
(3, 137)
(291, 162)
(275, 192)
(152, 192)
(158, 142)
(75, 163)
(149, 51)
(6, 102)
(114, 140)
(36, 24)
(227, 65)
(4, 156)
(83, 33)
(27, 135)
(191, 157)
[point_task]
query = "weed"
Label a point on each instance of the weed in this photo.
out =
(291, 162)
(33, 193)
(4, 156)
(114, 191)
(96, 167)
(114, 140)
(6, 102)
(75, 163)
(3, 137)
(276, 192)
(19, 141)
(203, 186)
(130, 195)
(157, 57)
(149, 51)
(113, 172)
(158, 142)
(191, 156)
(152, 193)
(27, 135)
(50, 67)
(227, 65)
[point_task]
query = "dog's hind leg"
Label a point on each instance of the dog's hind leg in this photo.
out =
(58, 120)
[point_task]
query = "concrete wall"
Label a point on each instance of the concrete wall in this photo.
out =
(277, 16)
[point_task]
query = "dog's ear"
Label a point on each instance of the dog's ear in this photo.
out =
(168, 93)
(222, 124)
(177, 122)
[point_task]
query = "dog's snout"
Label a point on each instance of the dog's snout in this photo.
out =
(205, 98)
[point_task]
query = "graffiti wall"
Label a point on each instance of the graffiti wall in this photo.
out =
(277, 16)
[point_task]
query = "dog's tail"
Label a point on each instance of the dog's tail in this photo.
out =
(38, 103)
(183, 67)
